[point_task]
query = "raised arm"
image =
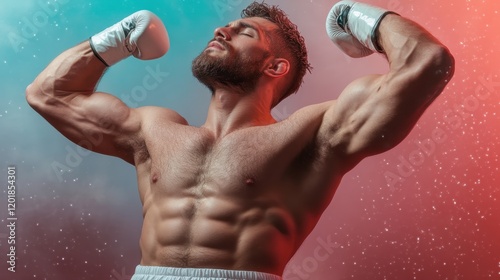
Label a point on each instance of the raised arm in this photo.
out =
(375, 113)
(64, 92)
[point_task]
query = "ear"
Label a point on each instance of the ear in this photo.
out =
(278, 67)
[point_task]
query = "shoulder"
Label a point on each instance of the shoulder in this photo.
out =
(154, 114)
(153, 120)
(311, 112)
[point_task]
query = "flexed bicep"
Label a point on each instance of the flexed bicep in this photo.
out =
(63, 93)
(99, 122)
(369, 117)
(375, 113)
(356, 124)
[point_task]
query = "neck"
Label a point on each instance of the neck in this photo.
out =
(231, 110)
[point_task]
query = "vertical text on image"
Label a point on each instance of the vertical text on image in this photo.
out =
(11, 219)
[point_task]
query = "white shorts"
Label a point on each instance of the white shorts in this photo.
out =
(174, 273)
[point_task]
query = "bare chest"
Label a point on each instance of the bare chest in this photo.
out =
(193, 163)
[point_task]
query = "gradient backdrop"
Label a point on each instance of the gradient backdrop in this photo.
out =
(428, 209)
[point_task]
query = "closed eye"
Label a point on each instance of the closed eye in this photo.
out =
(244, 28)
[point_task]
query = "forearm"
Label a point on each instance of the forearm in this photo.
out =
(407, 44)
(375, 113)
(360, 29)
(76, 70)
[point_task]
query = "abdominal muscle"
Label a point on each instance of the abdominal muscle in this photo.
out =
(226, 203)
(217, 232)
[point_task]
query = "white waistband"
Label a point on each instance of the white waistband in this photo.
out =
(175, 273)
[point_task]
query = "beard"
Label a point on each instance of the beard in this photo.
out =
(228, 70)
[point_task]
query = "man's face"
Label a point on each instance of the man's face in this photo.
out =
(236, 56)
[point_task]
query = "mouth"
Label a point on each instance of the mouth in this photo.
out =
(216, 45)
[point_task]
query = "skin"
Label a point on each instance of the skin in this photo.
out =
(243, 191)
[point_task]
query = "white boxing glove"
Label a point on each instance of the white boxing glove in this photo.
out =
(142, 34)
(352, 27)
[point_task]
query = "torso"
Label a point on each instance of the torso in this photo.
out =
(245, 201)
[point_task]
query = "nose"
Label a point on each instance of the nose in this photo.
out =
(222, 32)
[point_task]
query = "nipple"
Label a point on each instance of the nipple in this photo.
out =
(250, 181)
(154, 178)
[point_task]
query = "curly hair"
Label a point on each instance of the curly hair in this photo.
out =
(290, 43)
